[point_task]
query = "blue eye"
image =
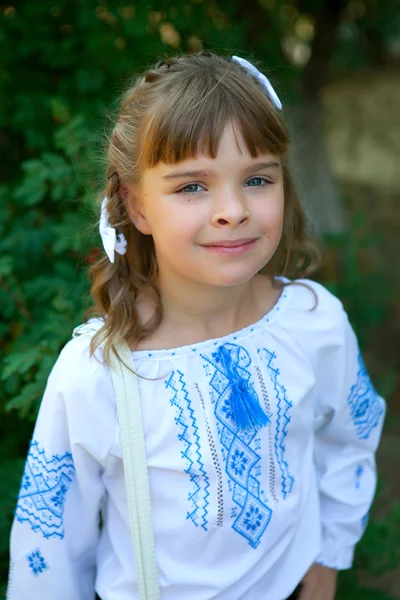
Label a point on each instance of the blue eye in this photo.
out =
(257, 182)
(191, 188)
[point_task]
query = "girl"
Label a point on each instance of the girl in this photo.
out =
(260, 420)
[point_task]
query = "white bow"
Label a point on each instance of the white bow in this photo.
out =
(112, 241)
(263, 80)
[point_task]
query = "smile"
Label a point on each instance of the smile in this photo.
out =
(231, 247)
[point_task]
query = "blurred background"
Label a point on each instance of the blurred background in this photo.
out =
(336, 66)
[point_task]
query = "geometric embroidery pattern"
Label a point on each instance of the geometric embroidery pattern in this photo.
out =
(215, 459)
(43, 491)
(188, 431)
(282, 421)
(365, 405)
(239, 447)
(36, 562)
(272, 470)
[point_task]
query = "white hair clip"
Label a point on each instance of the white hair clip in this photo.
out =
(262, 79)
(112, 241)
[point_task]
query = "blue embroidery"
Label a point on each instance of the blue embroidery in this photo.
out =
(238, 462)
(36, 562)
(184, 436)
(242, 403)
(365, 405)
(251, 514)
(26, 482)
(359, 472)
(364, 521)
(282, 421)
(44, 487)
(253, 518)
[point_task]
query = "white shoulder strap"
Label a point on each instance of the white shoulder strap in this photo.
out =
(136, 476)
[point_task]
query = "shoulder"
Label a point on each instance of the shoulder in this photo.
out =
(79, 400)
(77, 372)
(315, 317)
(308, 296)
(76, 352)
(311, 305)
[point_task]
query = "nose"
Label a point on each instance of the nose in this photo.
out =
(230, 210)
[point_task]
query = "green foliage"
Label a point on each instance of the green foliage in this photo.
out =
(351, 275)
(377, 553)
(383, 534)
(350, 589)
(62, 64)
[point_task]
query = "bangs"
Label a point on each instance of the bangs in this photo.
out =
(181, 126)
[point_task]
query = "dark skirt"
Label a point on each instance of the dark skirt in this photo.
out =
(295, 594)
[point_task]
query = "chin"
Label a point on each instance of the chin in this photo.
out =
(232, 278)
(242, 272)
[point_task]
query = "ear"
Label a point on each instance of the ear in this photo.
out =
(134, 208)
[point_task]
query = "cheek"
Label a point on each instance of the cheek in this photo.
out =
(175, 227)
(270, 216)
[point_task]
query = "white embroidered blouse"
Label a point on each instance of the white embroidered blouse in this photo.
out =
(238, 513)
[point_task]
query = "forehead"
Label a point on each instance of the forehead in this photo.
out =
(232, 142)
(231, 150)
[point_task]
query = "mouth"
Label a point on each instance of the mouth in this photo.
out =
(231, 247)
(231, 243)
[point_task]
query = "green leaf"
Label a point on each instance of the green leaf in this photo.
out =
(6, 265)
(20, 362)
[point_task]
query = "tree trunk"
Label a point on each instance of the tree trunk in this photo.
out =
(318, 189)
(311, 168)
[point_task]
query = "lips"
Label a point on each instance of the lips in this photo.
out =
(230, 243)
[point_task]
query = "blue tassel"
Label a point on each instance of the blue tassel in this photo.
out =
(246, 410)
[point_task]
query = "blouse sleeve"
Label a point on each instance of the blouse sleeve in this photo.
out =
(56, 526)
(350, 416)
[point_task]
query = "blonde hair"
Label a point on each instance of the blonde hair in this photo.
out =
(175, 111)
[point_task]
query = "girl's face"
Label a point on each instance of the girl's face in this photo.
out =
(213, 221)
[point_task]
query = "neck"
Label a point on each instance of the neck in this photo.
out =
(207, 311)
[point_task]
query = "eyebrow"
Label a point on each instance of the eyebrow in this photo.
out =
(263, 165)
(201, 173)
(181, 174)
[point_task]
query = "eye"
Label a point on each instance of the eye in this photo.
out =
(191, 188)
(257, 182)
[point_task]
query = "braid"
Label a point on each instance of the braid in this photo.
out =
(117, 286)
(117, 214)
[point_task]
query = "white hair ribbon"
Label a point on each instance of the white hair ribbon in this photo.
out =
(262, 79)
(112, 241)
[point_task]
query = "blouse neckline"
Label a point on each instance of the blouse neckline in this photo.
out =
(207, 345)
